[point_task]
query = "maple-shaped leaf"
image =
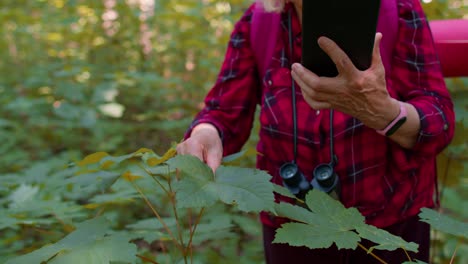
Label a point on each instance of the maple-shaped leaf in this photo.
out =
(90, 243)
(385, 240)
(329, 222)
(444, 223)
(249, 189)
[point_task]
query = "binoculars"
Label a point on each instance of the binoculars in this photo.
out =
(325, 179)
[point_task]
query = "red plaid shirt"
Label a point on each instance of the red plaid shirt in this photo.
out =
(386, 182)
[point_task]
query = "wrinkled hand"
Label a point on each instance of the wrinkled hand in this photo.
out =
(205, 144)
(361, 94)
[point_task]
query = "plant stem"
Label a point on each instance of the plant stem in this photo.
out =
(154, 178)
(176, 216)
(145, 259)
(406, 252)
(454, 252)
(372, 254)
(192, 232)
(179, 246)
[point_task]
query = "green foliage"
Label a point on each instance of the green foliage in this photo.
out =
(444, 223)
(104, 185)
(86, 76)
(330, 222)
(192, 211)
(249, 189)
(89, 243)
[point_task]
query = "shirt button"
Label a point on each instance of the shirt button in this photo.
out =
(270, 82)
(445, 127)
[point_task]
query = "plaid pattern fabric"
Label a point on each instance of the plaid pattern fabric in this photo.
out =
(384, 181)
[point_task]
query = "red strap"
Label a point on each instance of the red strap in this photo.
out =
(263, 35)
(387, 24)
(451, 41)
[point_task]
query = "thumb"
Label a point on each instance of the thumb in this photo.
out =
(376, 59)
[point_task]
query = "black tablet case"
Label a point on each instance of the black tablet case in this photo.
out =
(351, 24)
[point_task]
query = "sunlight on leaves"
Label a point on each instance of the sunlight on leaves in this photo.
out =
(128, 176)
(23, 195)
(154, 161)
(92, 159)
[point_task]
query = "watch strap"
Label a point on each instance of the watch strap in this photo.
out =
(396, 123)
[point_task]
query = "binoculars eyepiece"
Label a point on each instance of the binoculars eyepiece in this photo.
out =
(325, 179)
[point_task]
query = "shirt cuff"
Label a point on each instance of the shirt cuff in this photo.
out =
(435, 132)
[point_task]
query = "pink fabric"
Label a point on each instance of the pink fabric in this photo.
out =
(263, 41)
(451, 40)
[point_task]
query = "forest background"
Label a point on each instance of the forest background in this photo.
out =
(82, 76)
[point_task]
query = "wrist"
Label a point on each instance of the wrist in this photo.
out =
(388, 113)
(396, 122)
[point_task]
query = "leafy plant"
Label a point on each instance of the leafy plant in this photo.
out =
(186, 218)
(328, 222)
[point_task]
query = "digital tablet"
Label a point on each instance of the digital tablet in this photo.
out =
(351, 24)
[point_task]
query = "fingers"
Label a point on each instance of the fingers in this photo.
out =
(343, 63)
(205, 144)
(213, 158)
(189, 147)
(309, 82)
(303, 76)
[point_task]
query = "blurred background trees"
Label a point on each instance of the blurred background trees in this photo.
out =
(81, 76)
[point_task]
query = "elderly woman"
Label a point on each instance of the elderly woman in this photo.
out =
(387, 176)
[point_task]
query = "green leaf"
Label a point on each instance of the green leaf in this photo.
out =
(283, 191)
(444, 223)
(192, 167)
(152, 229)
(23, 196)
(90, 243)
(294, 212)
(216, 228)
(298, 234)
(192, 193)
(86, 185)
(385, 240)
(249, 189)
(152, 224)
(328, 223)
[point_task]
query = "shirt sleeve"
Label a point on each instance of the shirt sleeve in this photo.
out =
(417, 79)
(231, 102)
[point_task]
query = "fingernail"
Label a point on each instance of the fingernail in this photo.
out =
(296, 67)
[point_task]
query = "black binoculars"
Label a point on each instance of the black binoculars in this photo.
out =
(325, 179)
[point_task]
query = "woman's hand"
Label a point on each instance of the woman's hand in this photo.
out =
(205, 144)
(361, 94)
